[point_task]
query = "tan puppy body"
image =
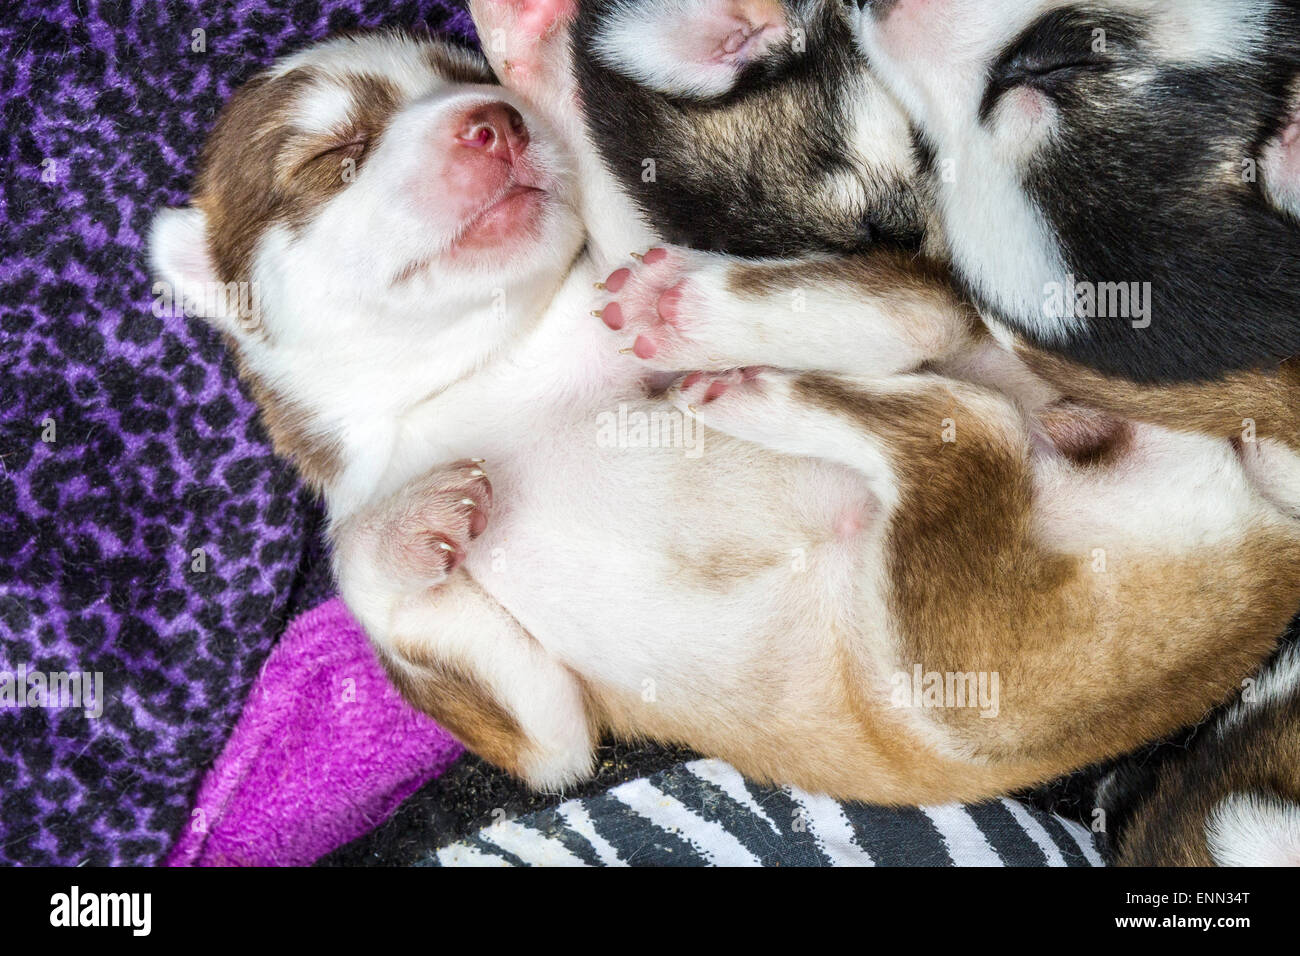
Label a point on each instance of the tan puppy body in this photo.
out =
(768, 566)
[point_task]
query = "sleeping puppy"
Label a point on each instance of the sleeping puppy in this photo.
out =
(1116, 183)
(1230, 798)
(1123, 147)
(869, 574)
(747, 128)
(1117, 142)
(1149, 146)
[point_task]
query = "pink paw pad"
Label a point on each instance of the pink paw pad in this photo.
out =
(540, 17)
(651, 302)
(531, 18)
(449, 510)
(703, 388)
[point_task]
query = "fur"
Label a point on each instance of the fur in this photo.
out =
(714, 164)
(1035, 153)
(1231, 797)
(756, 601)
(1128, 141)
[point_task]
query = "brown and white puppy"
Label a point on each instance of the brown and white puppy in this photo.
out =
(1157, 147)
(869, 574)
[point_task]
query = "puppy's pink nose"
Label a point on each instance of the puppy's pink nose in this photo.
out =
(496, 128)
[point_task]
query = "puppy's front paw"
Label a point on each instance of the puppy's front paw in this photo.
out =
(661, 308)
(701, 389)
(750, 403)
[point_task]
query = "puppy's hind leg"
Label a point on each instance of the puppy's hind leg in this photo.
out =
(451, 649)
(860, 423)
(526, 41)
(457, 655)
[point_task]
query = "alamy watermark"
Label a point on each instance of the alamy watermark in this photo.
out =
(660, 428)
(56, 690)
(1073, 299)
(240, 302)
(977, 690)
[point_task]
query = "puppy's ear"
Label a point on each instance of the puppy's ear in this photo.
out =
(184, 273)
(694, 48)
(1280, 168)
(1255, 830)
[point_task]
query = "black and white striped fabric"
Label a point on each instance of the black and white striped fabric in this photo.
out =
(704, 813)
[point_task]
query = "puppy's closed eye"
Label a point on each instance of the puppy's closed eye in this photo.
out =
(1049, 56)
(351, 145)
(308, 160)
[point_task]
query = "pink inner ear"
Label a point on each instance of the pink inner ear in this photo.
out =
(738, 31)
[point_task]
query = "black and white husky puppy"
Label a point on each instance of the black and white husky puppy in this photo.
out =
(1231, 798)
(1116, 182)
(1116, 142)
(750, 114)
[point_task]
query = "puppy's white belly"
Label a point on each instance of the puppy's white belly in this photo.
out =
(664, 570)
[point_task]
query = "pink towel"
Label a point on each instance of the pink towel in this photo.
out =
(324, 751)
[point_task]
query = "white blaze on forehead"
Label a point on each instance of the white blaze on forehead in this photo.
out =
(381, 54)
(324, 107)
(405, 65)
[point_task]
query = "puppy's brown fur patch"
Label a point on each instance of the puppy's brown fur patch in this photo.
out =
(918, 292)
(993, 599)
(317, 454)
(1090, 664)
(1086, 436)
(454, 698)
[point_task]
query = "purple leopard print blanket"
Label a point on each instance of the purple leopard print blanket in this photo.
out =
(148, 539)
